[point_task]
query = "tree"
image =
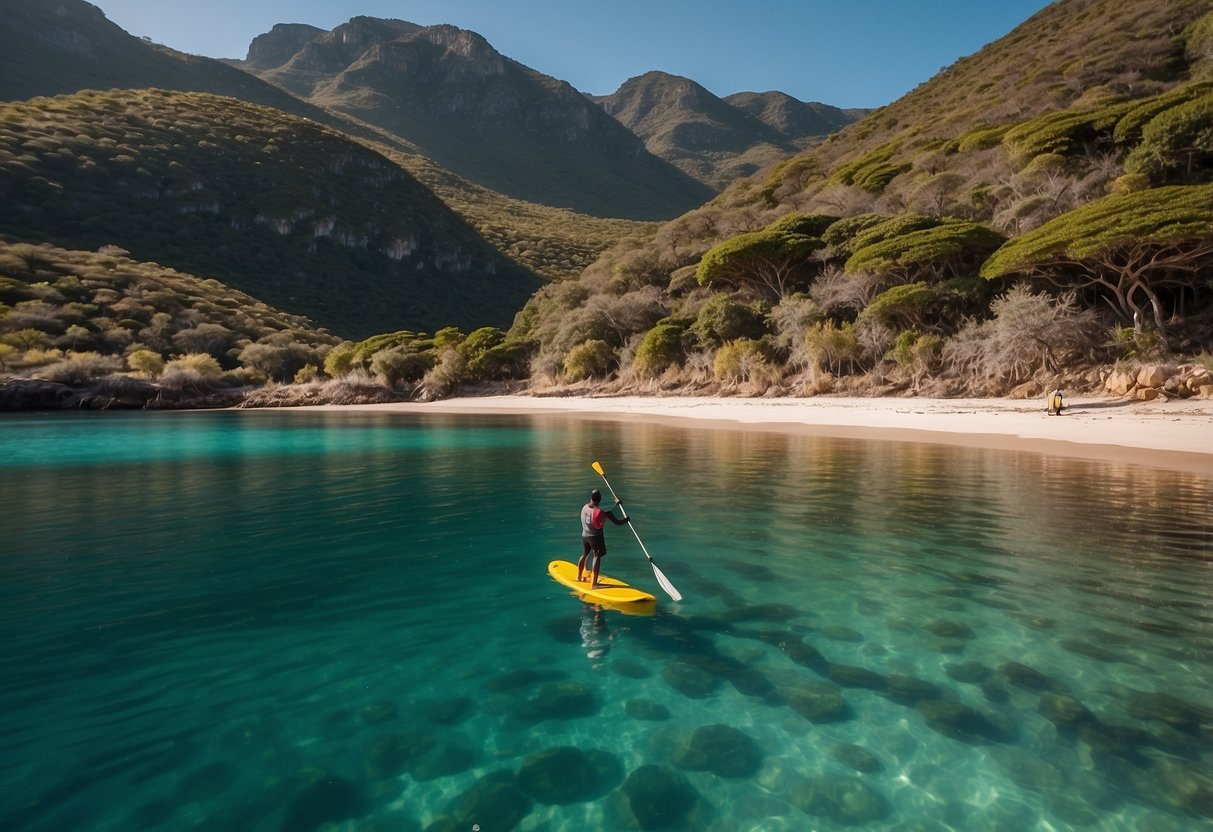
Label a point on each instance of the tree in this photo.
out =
(1135, 247)
(943, 248)
(901, 307)
(1176, 142)
(767, 261)
(724, 318)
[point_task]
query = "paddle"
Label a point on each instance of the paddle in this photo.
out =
(661, 579)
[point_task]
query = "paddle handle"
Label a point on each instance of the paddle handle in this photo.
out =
(661, 578)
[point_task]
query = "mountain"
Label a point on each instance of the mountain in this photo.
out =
(291, 212)
(52, 47)
(791, 116)
(472, 110)
(712, 139)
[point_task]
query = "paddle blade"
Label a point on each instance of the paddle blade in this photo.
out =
(598, 468)
(665, 583)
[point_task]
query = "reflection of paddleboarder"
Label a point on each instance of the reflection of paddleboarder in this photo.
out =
(595, 635)
(593, 536)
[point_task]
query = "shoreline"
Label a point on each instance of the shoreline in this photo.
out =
(1175, 435)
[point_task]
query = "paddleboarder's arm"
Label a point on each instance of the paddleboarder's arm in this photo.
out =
(616, 520)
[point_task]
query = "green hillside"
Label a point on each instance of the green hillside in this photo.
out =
(293, 213)
(902, 253)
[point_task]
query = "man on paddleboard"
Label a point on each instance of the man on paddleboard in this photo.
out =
(593, 536)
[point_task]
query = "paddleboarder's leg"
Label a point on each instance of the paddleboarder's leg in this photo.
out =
(585, 553)
(599, 554)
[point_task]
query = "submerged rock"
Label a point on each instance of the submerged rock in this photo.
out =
(855, 677)
(1062, 710)
(560, 700)
(722, 750)
(450, 711)
(1022, 676)
(646, 710)
(820, 703)
(442, 760)
(858, 758)
(690, 681)
(393, 754)
(381, 710)
(949, 629)
(630, 669)
(656, 797)
(1092, 651)
(494, 803)
(961, 722)
(1169, 709)
(906, 690)
(971, 672)
(330, 799)
(837, 633)
(519, 679)
(847, 801)
(761, 612)
(565, 775)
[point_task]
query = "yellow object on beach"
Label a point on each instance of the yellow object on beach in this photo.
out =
(609, 591)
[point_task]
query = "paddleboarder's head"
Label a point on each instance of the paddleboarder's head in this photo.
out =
(595, 496)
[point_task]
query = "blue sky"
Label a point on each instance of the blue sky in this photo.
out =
(848, 53)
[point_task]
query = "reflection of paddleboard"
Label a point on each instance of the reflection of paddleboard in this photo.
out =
(610, 591)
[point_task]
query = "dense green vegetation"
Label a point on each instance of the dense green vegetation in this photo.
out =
(998, 226)
(289, 211)
(78, 317)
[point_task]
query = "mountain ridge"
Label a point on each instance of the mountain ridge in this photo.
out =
(713, 139)
(482, 115)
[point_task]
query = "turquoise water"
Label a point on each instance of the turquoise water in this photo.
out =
(296, 621)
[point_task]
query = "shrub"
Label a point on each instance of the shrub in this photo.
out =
(308, 374)
(397, 364)
(741, 360)
(145, 363)
(340, 359)
(660, 349)
(277, 358)
(589, 359)
(829, 346)
(202, 364)
(80, 367)
(1029, 334)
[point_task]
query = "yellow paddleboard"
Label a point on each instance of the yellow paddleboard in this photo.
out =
(609, 591)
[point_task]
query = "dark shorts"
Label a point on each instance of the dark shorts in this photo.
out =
(597, 545)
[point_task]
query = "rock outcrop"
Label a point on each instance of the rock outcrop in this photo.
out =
(1154, 382)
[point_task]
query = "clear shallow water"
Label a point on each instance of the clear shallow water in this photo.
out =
(273, 621)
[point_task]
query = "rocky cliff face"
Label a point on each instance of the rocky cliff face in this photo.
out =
(717, 140)
(477, 112)
(280, 44)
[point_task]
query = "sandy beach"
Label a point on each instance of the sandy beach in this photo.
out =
(1175, 434)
